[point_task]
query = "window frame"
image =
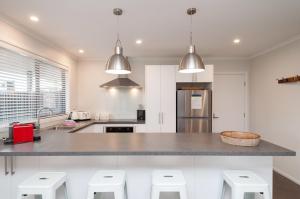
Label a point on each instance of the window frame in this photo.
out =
(36, 57)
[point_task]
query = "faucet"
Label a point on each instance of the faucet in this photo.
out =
(38, 125)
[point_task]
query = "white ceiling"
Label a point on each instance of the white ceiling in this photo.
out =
(162, 24)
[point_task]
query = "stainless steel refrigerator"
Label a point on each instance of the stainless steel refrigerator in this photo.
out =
(194, 111)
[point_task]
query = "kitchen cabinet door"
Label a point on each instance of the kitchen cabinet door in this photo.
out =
(152, 98)
(168, 99)
(5, 180)
(140, 128)
(94, 128)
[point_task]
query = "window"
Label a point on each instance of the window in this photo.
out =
(27, 84)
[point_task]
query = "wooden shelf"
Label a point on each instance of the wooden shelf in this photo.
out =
(289, 79)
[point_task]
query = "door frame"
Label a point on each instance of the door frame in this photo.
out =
(246, 94)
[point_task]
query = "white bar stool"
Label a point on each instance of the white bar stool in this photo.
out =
(242, 182)
(43, 183)
(108, 181)
(168, 181)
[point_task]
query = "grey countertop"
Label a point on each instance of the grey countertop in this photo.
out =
(172, 144)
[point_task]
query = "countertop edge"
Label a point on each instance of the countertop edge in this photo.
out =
(272, 154)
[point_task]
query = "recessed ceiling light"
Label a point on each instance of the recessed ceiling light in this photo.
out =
(236, 41)
(81, 51)
(139, 41)
(34, 18)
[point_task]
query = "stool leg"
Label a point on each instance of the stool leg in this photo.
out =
(90, 194)
(223, 190)
(267, 194)
(20, 195)
(119, 194)
(49, 195)
(66, 190)
(126, 191)
(154, 193)
(183, 193)
(237, 194)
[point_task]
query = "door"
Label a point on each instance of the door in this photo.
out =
(152, 98)
(168, 99)
(193, 111)
(229, 102)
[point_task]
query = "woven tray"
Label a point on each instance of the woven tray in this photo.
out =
(240, 138)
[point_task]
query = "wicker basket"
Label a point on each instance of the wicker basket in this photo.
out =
(240, 138)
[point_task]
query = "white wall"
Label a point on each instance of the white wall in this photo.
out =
(228, 65)
(275, 108)
(23, 39)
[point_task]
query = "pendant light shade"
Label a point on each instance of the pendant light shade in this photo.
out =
(191, 62)
(117, 63)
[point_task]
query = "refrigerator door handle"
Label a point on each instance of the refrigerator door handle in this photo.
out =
(204, 117)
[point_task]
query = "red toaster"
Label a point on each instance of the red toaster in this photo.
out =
(22, 133)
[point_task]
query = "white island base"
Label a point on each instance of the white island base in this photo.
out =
(202, 173)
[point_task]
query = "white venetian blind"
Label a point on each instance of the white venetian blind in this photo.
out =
(26, 85)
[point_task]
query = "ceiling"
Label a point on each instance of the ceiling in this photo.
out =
(162, 25)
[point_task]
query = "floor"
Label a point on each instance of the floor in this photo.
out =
(284, 188)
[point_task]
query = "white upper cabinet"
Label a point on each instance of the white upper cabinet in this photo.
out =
(205, 76)
(160, 98)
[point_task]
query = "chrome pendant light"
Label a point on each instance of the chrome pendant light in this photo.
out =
(191, 62)
(117, 63)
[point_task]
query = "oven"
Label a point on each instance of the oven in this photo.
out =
(119, 129)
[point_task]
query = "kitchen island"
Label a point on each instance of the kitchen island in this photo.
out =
(201, 157)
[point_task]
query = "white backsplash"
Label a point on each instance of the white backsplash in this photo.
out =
(119, 103)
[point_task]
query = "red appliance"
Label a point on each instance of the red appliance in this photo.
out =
(22, 133)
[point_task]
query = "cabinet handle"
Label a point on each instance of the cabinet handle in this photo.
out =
(215, 117)
(12, 171)
(159, 118)
(5, 166)
(162, 117)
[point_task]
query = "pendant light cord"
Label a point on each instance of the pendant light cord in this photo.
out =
(118, 35)
(191, 30)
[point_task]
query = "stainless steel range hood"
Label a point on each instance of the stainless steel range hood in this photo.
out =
(121, 82)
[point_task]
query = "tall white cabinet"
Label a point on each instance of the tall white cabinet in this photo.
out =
(160, 98)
